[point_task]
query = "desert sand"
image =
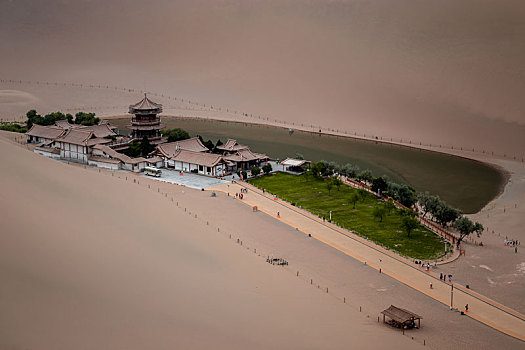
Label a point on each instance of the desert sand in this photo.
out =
(90, 260)
(446, 72)
(146, 273)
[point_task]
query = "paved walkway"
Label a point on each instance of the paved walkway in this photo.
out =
(481, 308)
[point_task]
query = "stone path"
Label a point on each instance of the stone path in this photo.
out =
(481, 308)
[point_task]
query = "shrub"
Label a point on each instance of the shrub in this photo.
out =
(267, 168)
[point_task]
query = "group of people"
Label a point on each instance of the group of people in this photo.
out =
(512, 243)
(443, 277)
(241, 195)
(423, 265)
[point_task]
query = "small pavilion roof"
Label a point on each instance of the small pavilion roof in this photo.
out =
(294, 162)
(400, 315)
(245, 155)
(145, 106)
(231, 146)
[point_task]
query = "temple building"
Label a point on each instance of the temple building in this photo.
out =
(145, 122)
(240, 156)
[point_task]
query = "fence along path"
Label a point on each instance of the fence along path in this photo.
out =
(249, 117)
(481, 308)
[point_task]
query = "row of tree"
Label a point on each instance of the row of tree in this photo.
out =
(81, 118)
(443, 213)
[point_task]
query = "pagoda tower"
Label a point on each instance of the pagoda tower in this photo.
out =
(145, 121)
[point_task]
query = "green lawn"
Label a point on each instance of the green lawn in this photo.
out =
(312, 194)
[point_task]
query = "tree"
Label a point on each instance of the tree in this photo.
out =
(87, 119)
(307, 174)
(365, 175)
(478, 228)
(379, 213)
(48, 119)
(321, 169)
(349, 170)
(176, 134)
(409, 223)
(465, 227)
(389, 206)
(403, 194)
(208, 144)
(267, 168)
(379, 185)
(145, 147)
(299, 156)
(33, 118)
(428, 203)
(445, 214)
(329, 185)
(134, 150)
(255, 171)
(337, 182)
(219, 143)
(354, 197)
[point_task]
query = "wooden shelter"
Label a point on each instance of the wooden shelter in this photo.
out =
(401, 318)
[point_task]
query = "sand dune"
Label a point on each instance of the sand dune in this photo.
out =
(90, 261)
(442, 72)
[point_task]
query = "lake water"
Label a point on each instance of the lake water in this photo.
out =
(466, 184)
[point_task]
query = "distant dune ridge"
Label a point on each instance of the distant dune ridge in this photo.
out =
(447, 72)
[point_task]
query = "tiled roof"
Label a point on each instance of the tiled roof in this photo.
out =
(115, 155)
(97, 141)
(101, 130)
(199, 158)
(154, 159)
(48, 132)
(145, 105)
(232, 145)
(76, 137)
(64, 124)
(245, 155)
(169, 149)
(104, 160)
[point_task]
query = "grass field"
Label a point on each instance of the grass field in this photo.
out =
(312, 194)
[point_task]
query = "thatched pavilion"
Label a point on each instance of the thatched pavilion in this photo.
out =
(401, 318)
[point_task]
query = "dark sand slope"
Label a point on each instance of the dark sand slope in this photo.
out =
(91, 262)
